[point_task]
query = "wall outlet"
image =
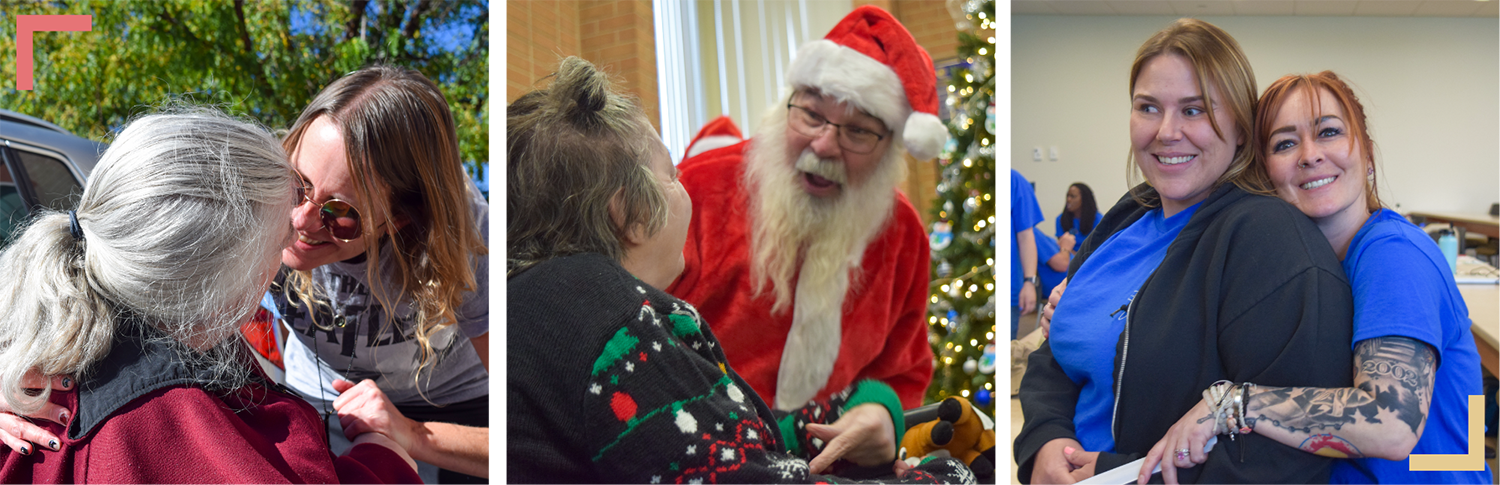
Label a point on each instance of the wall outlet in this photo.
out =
(1036, 154)
(1053, 153)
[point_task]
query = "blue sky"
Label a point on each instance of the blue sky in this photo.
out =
(449, 37)
(491, 179)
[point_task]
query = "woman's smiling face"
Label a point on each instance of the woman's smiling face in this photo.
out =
(322, 161)
(1173, 141)
(1313, 159)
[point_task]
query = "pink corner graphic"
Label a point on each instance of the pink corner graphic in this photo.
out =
(26, 24)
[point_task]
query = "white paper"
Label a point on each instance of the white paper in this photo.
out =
(1128, 472)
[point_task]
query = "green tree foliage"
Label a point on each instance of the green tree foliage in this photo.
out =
(491, 86)
(262, 59)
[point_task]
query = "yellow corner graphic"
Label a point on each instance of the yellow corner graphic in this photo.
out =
(1471, 461)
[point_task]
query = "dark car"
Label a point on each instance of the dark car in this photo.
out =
(43, 166)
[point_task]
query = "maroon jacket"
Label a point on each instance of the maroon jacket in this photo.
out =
(139, 418)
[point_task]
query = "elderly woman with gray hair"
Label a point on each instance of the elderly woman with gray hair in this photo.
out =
(139, 293)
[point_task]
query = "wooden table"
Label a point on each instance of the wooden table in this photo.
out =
(1484, 310)
(1476, 223)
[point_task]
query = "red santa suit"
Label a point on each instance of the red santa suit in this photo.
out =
(884, 334)
(872, 63)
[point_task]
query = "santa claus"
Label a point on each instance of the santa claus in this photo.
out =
(809, 265)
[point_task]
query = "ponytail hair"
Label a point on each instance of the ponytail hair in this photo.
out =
(181, 223)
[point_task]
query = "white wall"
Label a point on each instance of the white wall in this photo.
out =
(1430, 86)
(770, 31)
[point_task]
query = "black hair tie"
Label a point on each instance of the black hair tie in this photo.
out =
(73, 226)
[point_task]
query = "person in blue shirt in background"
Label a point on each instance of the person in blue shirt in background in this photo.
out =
(1024, 213)
(1079, 216)
(1415, 364)
(1051, 267)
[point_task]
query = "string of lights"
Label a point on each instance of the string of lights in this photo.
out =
(961, 307)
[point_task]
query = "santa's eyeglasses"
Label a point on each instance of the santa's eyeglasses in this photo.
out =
(851, 138)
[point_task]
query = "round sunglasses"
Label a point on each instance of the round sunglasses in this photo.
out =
(340, 217)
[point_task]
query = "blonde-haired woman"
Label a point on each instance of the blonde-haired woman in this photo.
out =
(138, 293)
(377, 152)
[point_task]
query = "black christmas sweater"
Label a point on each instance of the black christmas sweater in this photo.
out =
(612, 380)
(1248, 291)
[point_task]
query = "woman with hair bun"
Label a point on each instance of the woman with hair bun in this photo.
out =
(138, 294)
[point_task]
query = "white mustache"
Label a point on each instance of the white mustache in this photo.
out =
(828, 169)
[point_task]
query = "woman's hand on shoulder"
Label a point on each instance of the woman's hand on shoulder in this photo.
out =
(24, 436)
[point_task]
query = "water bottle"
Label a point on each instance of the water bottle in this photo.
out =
(1449, 245)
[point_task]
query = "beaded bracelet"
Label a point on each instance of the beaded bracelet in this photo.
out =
(1244, 407)
(1215, 396)
(1228, 405)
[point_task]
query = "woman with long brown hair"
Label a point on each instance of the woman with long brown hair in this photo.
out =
(387, 279)
(1079, 216)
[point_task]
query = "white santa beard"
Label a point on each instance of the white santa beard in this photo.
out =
(828, 237)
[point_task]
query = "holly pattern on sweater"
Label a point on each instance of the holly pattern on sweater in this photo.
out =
(655, 400)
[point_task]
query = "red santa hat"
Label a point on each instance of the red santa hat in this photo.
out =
(872, 62)
(719, 133)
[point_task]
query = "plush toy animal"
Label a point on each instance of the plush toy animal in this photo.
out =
(960, 432)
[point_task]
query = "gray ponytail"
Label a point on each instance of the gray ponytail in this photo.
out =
(180, 219)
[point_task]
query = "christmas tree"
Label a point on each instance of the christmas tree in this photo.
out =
(961, 309)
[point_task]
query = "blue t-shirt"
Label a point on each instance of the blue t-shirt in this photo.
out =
(1077, 229)
(1088, 320)
(1402, 287)
(1024, 213)
(1046, 248)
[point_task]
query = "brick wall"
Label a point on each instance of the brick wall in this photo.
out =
(932, 26)
(537, 35)
(617, 36)
(933, 29)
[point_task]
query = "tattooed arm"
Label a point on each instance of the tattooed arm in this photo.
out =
(1382, 416)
